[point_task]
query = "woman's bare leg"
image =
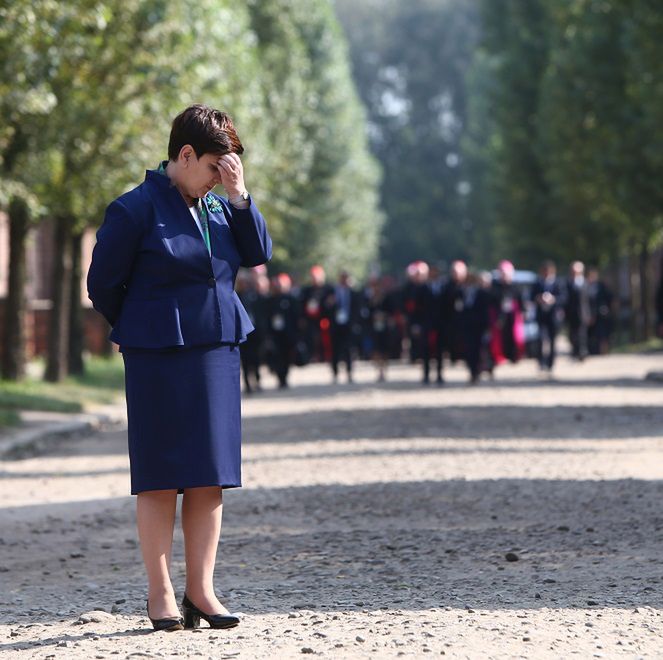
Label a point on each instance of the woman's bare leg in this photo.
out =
(201, 524)
(155, 515)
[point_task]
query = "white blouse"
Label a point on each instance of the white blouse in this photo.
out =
(194, 213)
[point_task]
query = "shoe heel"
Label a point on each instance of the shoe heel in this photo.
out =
(191, 620)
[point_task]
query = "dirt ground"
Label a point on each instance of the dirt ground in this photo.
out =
(375, 521)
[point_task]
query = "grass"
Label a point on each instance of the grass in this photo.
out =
(9, 418)
(652, 345)
(102, 383)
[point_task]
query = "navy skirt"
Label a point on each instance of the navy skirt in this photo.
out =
(184, 413)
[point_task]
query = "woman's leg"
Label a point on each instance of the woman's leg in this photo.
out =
(155, 515)
(201, 524)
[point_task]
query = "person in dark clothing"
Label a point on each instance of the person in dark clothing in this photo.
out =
(508, 340)
(362, 331)
(600, 314)
(486, 360)
(252, 289)
(418, 307)
(380, 306)
(577, 310)
(162, 274)
(450, 322)
(311, 301)
(436, 282)
(281, 317)
(474, 320)
(396, 319)
(341, 308)
(547, 297)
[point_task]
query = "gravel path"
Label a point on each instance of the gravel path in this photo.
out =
(517, 519)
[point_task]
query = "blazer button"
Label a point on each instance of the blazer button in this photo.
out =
(211, 282)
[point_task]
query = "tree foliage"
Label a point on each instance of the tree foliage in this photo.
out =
(321, 182)
(410, 61)
(88, 89)
(572, 163)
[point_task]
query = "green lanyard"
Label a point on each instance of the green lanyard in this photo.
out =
(202, 214)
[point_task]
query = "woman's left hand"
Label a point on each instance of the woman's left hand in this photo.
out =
(232, 174)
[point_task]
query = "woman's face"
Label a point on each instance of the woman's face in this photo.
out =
(199, 175)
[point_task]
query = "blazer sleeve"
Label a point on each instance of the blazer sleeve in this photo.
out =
(249, 230)
(113, 256)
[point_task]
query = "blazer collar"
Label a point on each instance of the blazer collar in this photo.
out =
(159, 178)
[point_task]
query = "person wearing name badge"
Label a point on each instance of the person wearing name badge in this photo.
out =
(342, 311)
(314, 330)
(282, 314)
(451, 328)
(547, 297)
(418, 305)
(162, 274)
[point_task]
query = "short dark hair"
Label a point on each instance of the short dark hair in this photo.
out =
(207, 130)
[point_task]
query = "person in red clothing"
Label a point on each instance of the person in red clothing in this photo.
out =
(313, 327)
(508, 325)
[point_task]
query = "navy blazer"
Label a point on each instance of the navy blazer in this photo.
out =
(153, 279)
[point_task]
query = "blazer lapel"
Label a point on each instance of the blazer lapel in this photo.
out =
(223, 243)
(177, 228)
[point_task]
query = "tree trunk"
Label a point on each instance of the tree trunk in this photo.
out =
(634, 330)
(58, 337)
(76, 340)
(643, 266)
(13, 353)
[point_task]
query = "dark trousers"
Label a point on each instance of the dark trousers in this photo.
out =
(473, 348)
(578, 339)
(250, 354)
(314, 340)
(425, 355)
(420, 348)
(341, 347)
(438, 355)
(279, 356)
(546, 345)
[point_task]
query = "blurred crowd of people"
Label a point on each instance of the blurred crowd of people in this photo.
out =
(481, 318)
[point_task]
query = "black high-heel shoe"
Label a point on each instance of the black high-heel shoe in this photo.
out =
(169, 624)
(192, 617)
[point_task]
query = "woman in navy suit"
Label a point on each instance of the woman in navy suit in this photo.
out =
(163, 273)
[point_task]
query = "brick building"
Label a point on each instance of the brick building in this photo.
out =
(39, 257)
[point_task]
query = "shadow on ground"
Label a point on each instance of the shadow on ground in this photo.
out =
(319, 389)
(412, 545)
(490, 422)
(460, 422)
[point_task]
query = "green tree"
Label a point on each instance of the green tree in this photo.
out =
(116, 76)
(581, 119)
(516, 44)
(25, 100)
(320, 181)
(410, 61)
(599, 118)
(88, 90)
(480, 146)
